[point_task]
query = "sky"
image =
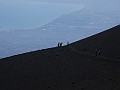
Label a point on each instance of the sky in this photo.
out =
(64, 1)
(16, 14)
(14, 9)
(94, 3)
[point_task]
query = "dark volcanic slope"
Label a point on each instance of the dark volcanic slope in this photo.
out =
(108, 42)
(66, 68)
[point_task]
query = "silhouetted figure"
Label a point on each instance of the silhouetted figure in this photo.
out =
(61, 44)
(97, 52)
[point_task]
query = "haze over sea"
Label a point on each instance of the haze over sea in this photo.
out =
(28, 14)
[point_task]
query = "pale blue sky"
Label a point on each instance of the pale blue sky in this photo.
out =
(33, 13)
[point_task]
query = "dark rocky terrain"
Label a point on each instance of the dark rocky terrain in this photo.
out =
(71, 67)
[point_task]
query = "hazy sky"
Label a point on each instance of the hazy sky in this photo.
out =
(112, 3)
(28, 12)
(87, 2)
(32, 14)
(68, 1)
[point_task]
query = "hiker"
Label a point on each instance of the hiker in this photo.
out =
(61, 44)
(97, 52)
(58, 44)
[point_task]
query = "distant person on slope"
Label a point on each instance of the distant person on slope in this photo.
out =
(97, 52)
(58, 44)
(61, 44)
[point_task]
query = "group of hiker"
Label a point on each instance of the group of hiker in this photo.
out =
(97, 51)
(61, 44)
